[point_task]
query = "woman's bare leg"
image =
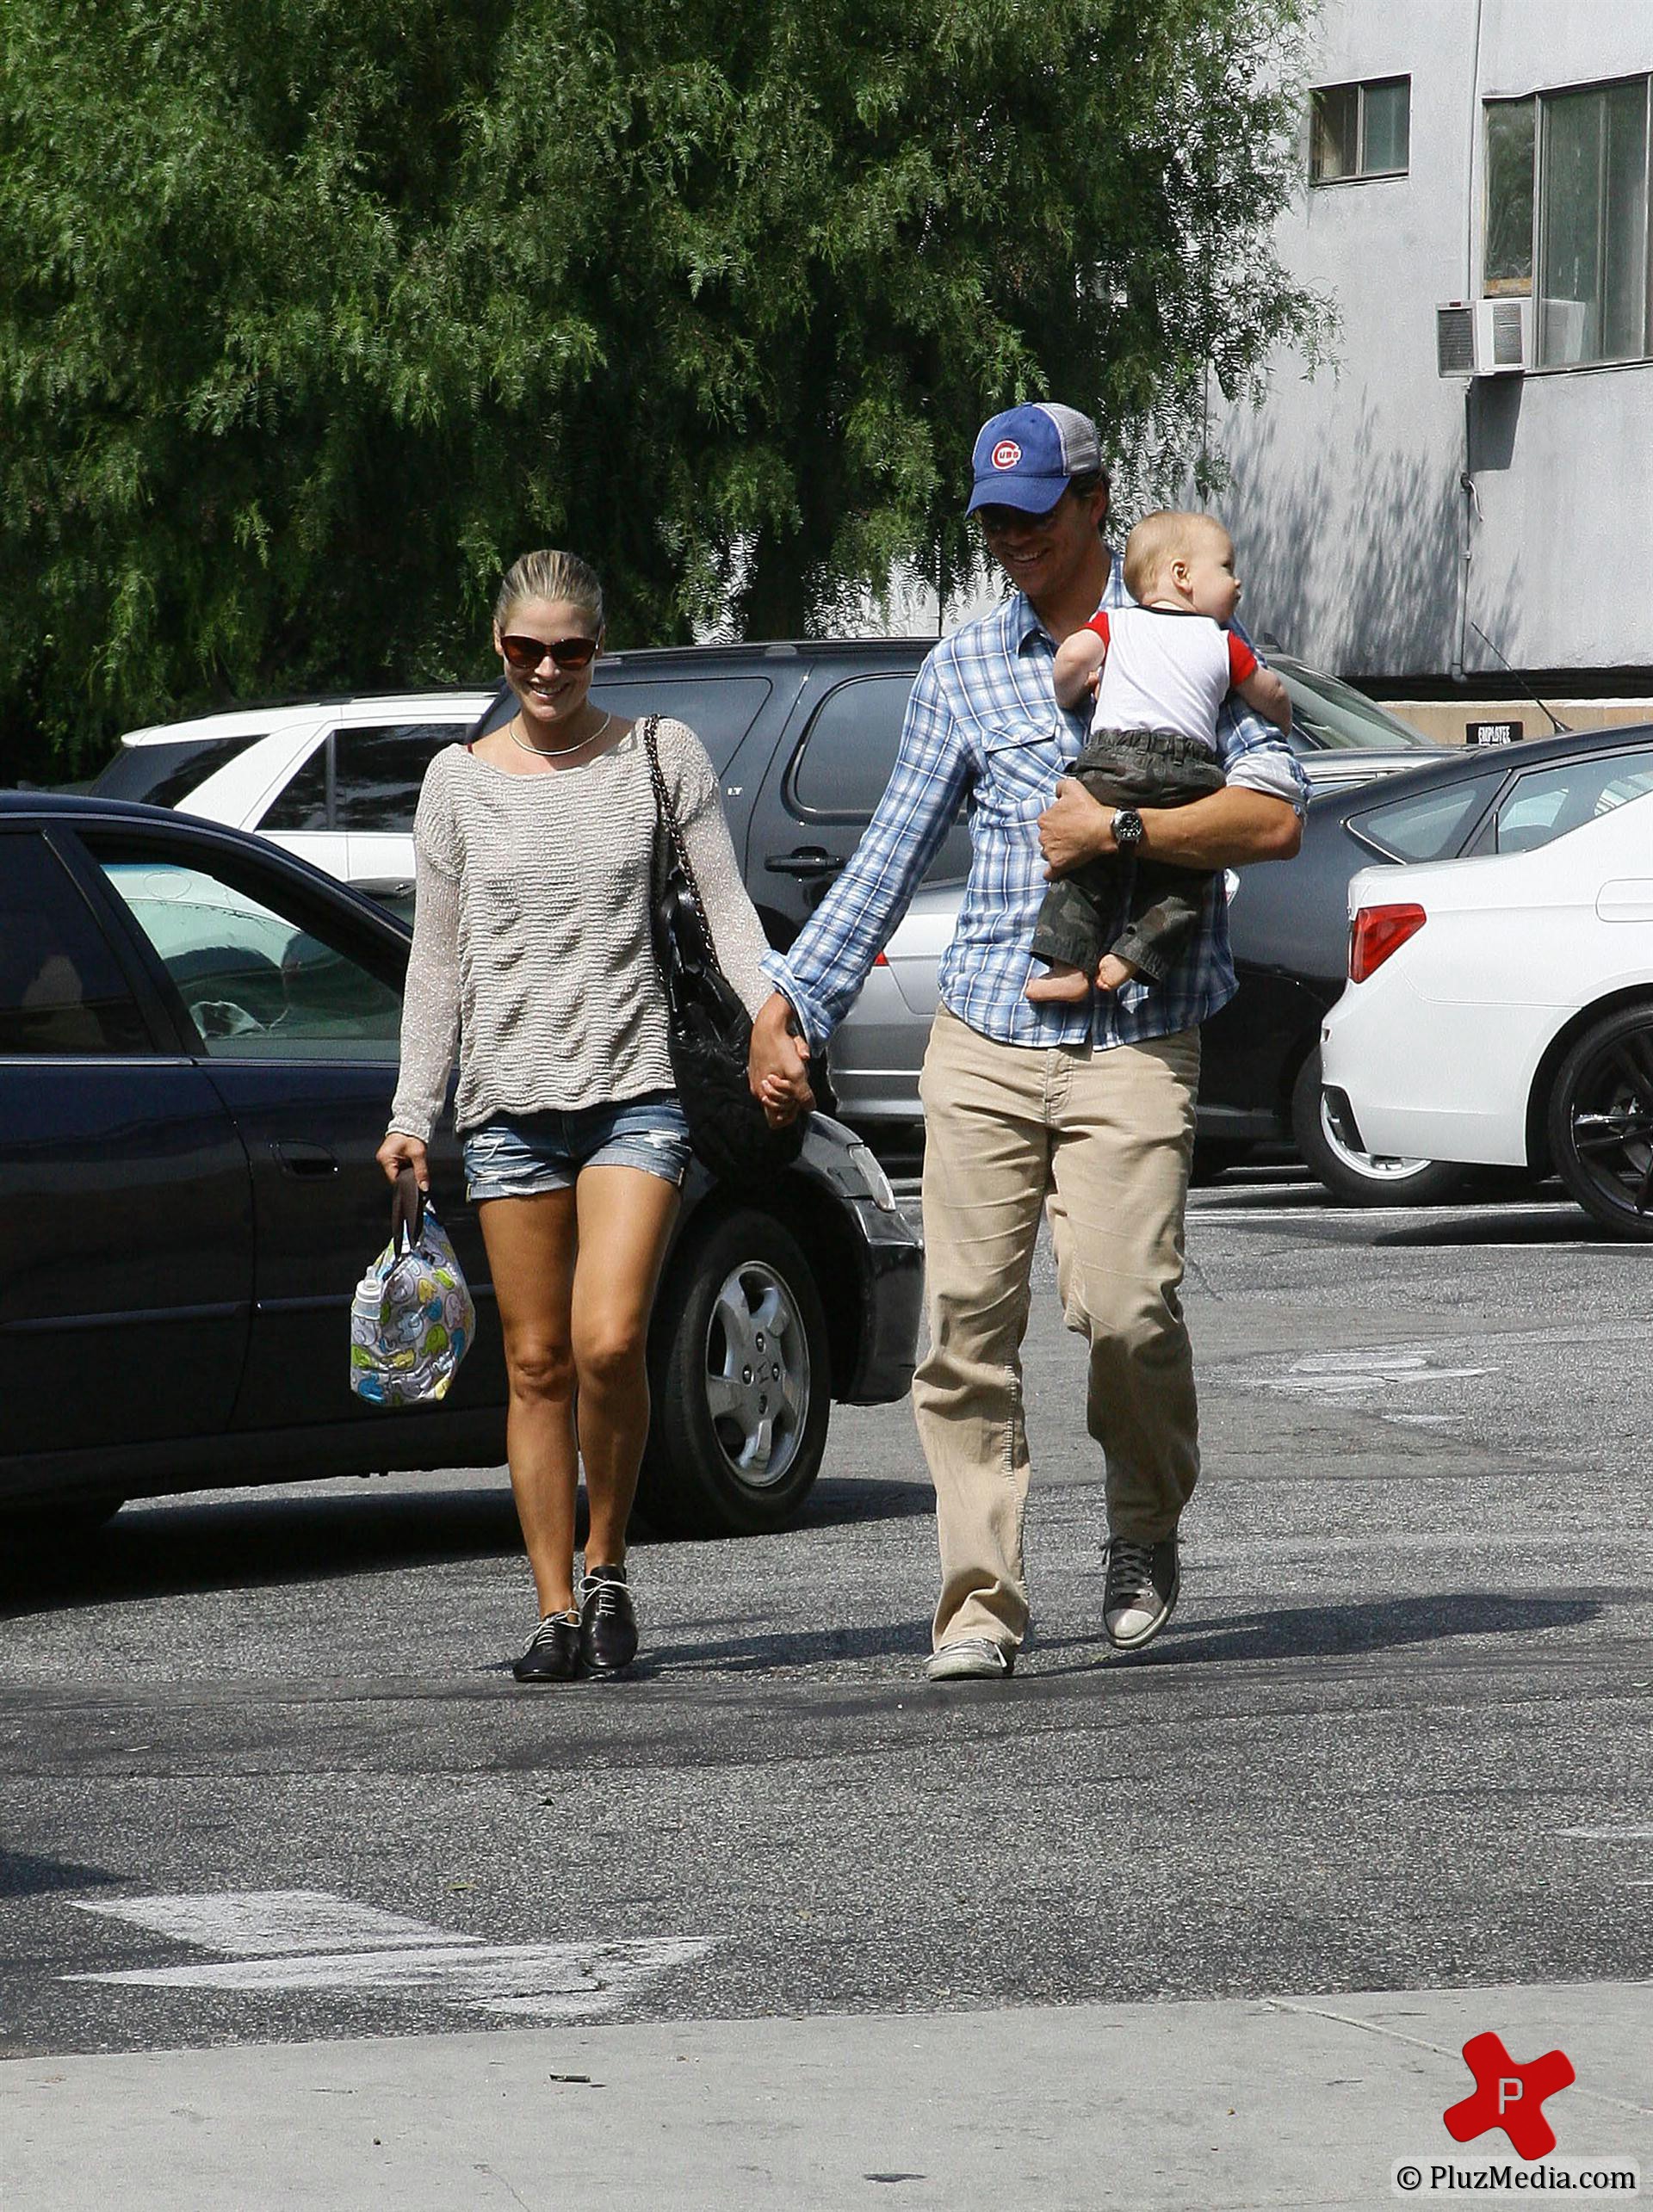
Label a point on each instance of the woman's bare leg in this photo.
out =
(625, 1220)
(531, 1245)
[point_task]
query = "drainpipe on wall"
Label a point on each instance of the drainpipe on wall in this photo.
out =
(1466, 479)
(1466, 484)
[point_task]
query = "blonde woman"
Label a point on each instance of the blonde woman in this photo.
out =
(532, 947)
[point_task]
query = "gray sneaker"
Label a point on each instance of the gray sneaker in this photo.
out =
(1141, 1591)
(971, 1658)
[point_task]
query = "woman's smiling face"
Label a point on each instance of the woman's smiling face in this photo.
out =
(548, 694)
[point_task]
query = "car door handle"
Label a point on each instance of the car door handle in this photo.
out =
(808, 861)
(309, 1161)
(383, 887)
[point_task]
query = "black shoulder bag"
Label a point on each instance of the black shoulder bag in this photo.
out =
(710, 1028)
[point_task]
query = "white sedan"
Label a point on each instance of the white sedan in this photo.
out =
(1500, 1011)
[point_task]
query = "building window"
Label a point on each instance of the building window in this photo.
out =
(1360, 130)
(1508, 259)
(1567, 218)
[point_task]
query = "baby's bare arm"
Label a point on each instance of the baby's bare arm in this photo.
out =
(1264, 690)
(1078, 659)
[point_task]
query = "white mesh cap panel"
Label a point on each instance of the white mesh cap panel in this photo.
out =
(1082, 447)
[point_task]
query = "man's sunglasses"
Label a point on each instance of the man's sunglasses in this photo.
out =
(525, 654)
(998, 521)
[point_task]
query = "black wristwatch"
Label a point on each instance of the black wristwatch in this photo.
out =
(1128, 831)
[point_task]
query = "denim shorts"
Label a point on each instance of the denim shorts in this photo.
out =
(520, 1155)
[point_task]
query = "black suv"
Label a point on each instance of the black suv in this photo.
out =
(803, 737)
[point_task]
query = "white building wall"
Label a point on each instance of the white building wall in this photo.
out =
(1346, 501)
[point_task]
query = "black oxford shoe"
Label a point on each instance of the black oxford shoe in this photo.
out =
(608, 1623)
(552, 1653)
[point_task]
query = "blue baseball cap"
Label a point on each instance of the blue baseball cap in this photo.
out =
(1027, 457)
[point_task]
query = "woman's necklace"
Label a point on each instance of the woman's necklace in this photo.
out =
(555, 752)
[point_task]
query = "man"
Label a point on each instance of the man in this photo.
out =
(1087, 1108)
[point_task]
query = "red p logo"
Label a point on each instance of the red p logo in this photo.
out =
(1509, 2096)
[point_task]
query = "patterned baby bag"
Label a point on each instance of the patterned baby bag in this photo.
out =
(411, 1319)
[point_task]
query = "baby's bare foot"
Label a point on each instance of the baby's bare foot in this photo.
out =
(1111, 972)
(1064, 986)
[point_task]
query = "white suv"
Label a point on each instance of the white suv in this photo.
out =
(334, 781)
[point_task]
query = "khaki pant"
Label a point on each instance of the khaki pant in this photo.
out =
(1105, 1138)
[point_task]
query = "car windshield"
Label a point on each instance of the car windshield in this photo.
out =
(161, 774)
(1338, 716)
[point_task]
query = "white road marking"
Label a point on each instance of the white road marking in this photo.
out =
(264, 1923)
(1352, 1216)
(1611, 1835)
(1302, 1212)
(310, 1940)
(542, 1981)
(1589, 1541)
(1349, 1373)
(1356, 1375)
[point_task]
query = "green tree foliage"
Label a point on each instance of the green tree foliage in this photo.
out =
(317, 312)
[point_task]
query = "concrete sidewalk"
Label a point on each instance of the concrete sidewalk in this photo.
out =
(1189, 2107)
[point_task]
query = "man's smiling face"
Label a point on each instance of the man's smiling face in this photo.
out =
(1045, 554)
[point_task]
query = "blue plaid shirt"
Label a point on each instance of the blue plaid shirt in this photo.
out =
(983, 724)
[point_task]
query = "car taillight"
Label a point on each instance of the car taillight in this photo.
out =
(1375, 932)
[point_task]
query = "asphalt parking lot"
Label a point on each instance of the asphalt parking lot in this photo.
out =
(1396, 1739)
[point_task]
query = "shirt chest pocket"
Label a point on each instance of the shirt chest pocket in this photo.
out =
(1021, 767)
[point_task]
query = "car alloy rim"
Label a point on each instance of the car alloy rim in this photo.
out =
(756, 1374)
(1373, 1167)
(1611, 1120)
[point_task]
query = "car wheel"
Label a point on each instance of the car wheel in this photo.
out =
(1363, 1178)
(741, 1376)
(1601, 1121)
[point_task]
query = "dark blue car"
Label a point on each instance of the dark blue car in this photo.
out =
(198, 1046)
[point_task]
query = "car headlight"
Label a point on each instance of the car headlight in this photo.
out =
(873, 1176)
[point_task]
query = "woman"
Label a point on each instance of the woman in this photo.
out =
(531, 939)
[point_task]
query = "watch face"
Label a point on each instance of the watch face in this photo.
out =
(1128, 827)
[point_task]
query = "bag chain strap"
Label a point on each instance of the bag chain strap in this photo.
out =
(667, 814)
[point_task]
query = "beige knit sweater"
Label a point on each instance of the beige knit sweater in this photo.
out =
(531, 937)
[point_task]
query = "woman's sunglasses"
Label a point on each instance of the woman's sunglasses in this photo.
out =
(525, 654)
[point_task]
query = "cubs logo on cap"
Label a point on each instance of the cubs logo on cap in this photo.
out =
(1027, 456)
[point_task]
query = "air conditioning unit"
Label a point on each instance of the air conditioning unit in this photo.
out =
(1484, 337)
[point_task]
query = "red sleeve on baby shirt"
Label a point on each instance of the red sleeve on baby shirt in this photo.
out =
(1242, 662)
(1099, 622)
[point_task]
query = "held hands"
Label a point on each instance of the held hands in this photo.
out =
(399, 1150)
(1075, 828)
(777, 1068)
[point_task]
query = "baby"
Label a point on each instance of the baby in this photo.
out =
(1161, 670)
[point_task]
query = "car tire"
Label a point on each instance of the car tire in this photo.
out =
(1600, 1122)
(741, 1373)
(1360, 1178)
